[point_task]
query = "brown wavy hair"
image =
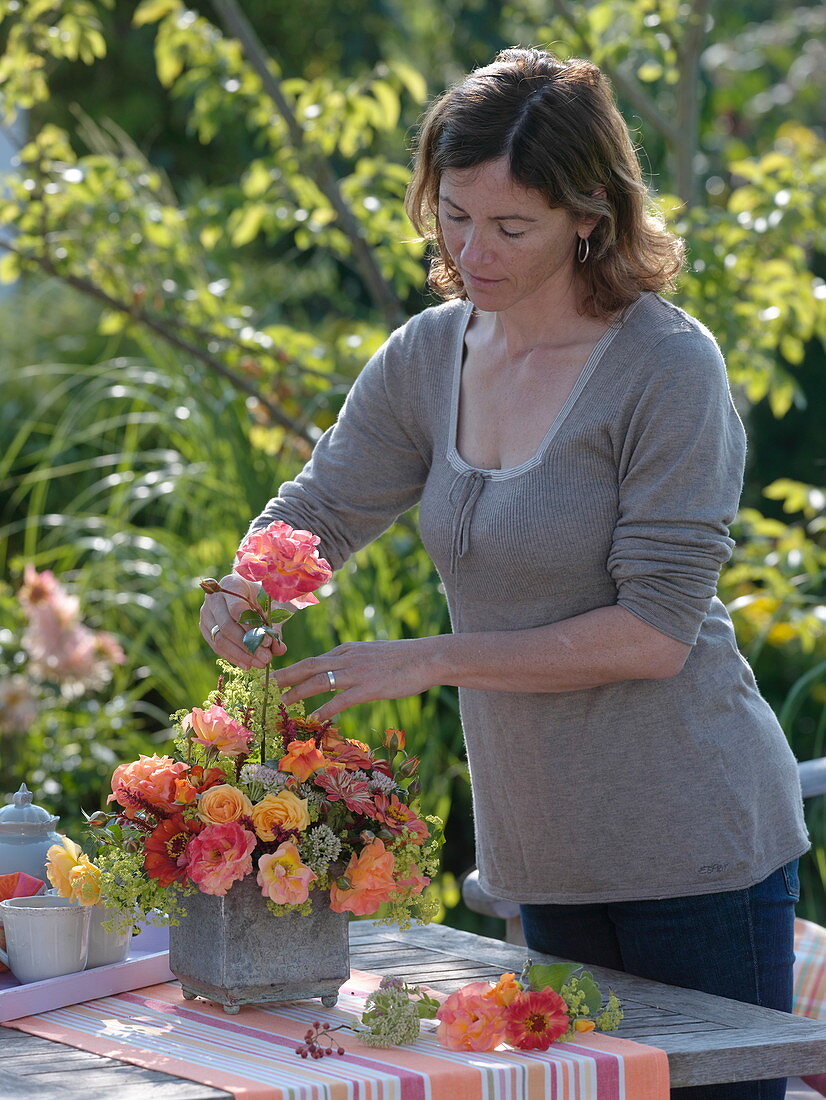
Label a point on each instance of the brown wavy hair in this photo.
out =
(558, 126)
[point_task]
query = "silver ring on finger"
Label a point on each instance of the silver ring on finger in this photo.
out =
(331, 677)
(215, 630)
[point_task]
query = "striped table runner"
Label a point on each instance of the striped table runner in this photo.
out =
(252, 1055)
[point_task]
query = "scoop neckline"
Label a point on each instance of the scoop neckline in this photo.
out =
(501, 473)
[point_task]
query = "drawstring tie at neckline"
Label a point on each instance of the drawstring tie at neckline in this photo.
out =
(469, 485)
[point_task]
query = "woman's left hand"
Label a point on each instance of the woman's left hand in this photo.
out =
(359, 672)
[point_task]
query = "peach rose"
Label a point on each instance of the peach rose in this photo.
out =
(223, 803)
(215, 729)
(506, 990)
(282, 876)
(285, 562)
(370, 875)
(284, 809)
(470, 1019)
(148, 782)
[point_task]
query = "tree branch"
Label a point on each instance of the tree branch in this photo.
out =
(236, 24)
(161, 329)
(689, 50)
(625, 82)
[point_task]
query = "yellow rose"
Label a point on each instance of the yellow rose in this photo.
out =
(60, 860)
(285, 809)
(222, 804)
(84, 882)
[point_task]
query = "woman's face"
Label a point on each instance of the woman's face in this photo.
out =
(507, 243)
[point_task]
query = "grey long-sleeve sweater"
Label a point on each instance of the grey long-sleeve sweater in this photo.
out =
(633, 790)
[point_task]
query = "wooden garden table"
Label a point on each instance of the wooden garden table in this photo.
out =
(708, 1039)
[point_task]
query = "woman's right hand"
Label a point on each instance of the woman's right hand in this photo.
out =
(222, 611)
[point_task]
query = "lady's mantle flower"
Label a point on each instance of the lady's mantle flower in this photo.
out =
(534, 1020)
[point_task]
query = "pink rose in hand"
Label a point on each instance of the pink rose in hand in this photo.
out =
(214, 729)
(282, 876)
(219, 856)
(148, 783)
(285, 562)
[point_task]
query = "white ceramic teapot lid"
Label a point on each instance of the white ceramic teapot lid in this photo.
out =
(21, 816)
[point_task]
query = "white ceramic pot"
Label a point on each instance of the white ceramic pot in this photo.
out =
(106, 947)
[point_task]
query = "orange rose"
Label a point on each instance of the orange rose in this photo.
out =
(285, 810)
(506, 990)
(222, 804)
(303, 759)
(371, 881)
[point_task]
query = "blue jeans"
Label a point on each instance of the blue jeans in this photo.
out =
(738, 944)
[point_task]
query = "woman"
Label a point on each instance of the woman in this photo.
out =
(571, 440)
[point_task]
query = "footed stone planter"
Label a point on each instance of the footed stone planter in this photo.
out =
(233, 951)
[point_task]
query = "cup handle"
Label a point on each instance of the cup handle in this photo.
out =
(4, 957)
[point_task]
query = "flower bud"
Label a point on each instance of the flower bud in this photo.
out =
(210, 585)
(394, 739)
(98, 820)
(408, 766)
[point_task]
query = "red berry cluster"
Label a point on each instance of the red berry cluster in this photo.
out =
(319, 1041)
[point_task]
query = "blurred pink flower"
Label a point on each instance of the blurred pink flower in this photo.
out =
(215, 729)
(18, 705)
(147, 783)
(59, 646)
(219, 856)
(285, 562)
(282, 876)
(470, 1019)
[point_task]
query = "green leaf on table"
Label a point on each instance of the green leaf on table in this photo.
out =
(427, 1007)
(551, 976)
(253, 638)
(593, 997)
(248, 618)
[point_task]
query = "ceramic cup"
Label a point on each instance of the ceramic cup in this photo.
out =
(45, 937)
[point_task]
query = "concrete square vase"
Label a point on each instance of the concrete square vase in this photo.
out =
(233, 951)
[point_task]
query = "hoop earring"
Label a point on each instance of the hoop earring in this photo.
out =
(582, 255)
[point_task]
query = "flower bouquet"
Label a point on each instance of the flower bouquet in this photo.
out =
(263, 815)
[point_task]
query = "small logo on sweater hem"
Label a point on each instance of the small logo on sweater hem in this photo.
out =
(712, 868)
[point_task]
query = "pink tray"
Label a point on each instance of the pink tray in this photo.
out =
(146, 964)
